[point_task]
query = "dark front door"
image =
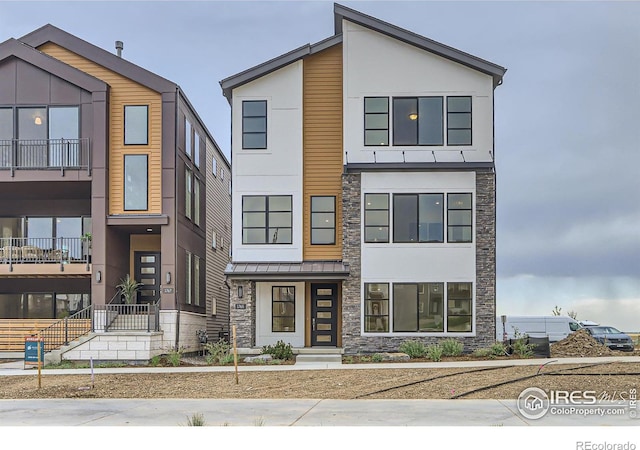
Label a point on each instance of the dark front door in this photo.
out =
(146, 267)
(324, 314)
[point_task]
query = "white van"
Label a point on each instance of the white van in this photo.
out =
(555, 328)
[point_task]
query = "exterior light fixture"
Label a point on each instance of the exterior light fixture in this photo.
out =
(168, 278)
(98, 276)
(240, 291)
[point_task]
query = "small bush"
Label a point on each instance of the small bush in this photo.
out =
(279, 351)
(216, 351)
(415, 349)
(377, 357)
(347, 359)
(174, 355)
(434, 352)
(498, 349)
(522, 349)
(196, 420)
(483, 352)
(226, 360)
(155, 361)
(451, 347)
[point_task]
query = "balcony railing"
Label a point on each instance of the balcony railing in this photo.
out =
(59, 250)
(45, 154)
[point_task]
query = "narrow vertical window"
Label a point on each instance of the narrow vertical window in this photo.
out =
(188, 279)
(376, 307)
(254, 124)
(64, 131)
(135, 182)
(199, 150)
(323, 220)
(458, 120)
(188, 196)
(459, 218)
(196, 280)
(376, 217)
(136, 125)
(6, 136)
(188, 133)
(283, 309)
(376, 121)
(459, 302)
(196, 201)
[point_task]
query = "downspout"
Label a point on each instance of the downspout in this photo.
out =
(175, 214)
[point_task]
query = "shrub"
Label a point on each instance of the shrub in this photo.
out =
(279, 351)
(451, 347)
(174, 355)
(498, 349)
(522, 349)
(483, 353)
(216, 351)
(226, 359)
(196, 420)
(155, 360)
(415, 349)
(377, 357)
(434, 352)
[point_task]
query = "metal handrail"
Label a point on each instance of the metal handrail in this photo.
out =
(45, 154)
(50, 250)
(67, 329)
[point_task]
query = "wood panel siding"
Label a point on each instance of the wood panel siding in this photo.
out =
(124, 92)
(322, 143)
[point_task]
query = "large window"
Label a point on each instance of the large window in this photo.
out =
(376, 121)
(418, 218)
(459, 218)
(376, 218)
(266, 219)
(135, 182)
(136, 125)
(323, 220)
(417, 121)
(64, 130)
(254, 124)
(47, 305)
(283, 309)
(435, 307)
(376, 307)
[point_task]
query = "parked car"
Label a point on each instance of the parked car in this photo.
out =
(611, 337)
(589, 323)
(555, 328)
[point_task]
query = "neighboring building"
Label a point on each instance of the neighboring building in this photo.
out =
(364, 192)
(94, 146)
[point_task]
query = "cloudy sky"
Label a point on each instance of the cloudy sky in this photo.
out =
(566, 118)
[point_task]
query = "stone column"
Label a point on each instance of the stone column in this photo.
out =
(242, 313)
(351, 253)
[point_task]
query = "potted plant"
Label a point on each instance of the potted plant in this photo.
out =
(128, 287)
(87, 238)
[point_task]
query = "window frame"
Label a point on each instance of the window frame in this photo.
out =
(376, 113)
(246, 116)
(452, 227)
(188, 138)
(418, 239)
(366, 225)
(417, 121)
(188, 196)
(124, 125)
(312, 213)
(124, 175)
(267, 210)
(470, 113)
(369, 303)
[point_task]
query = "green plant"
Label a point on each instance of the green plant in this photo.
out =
(434, 352)
(174, 355)
(415, 349)
(196, 420)
(128, 287)
(377, 357)
(227, 359)
(348, 359)
(216, 351)
(279, 351)
(519, 345)
(155, 360)
(365, 359)
(451, 347)
(483, 352)
(498, 349)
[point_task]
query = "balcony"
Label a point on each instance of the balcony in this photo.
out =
(45, 154)
(44, 256)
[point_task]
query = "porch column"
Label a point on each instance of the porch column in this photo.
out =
(242, 312)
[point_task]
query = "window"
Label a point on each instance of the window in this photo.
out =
(188, 298)
(266, 219)
(323, 220)
(376, 121)
(136, 125)
(459, 218)
(188, 189)
(200, 149)
(135, 183)
(417, 121)
(418, 218)
(64, 131)
(214, 240)
(376, 307)
(196, 201)
(254, 124)
(32, 135)
(6, 135)
(376, 218)
(418, 307)
(196, 280)
(458, 120)
(459, 307)
(283, 308)
(214, 167)
(188, 133)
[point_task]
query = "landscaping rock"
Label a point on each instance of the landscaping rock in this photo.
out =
(260, 358)
(395, 356)
(579, 343)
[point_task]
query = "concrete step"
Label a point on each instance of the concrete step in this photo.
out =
(318, 358)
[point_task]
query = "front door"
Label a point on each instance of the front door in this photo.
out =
(324, 314)
(146, 269)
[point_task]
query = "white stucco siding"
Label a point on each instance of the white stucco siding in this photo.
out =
(420, 262)
(264, 335)
(276, 170)
(378, 65)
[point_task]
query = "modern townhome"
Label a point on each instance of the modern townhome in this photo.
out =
(106, 171)
(364, 193)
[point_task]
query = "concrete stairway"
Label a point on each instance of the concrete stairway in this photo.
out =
(319, 355)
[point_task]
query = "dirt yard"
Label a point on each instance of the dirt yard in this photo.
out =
(367, 383)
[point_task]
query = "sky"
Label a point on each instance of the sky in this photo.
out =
(567, 132)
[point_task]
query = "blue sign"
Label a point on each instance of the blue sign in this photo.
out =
(31, 350)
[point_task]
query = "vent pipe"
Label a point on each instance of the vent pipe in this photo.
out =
(119, 47)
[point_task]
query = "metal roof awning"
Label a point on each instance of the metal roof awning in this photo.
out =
(306, 270)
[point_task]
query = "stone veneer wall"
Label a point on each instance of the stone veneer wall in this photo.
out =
(243, 319)
(485, 238)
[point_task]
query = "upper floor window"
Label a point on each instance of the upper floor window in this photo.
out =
(418, 218)
(136, 125)
(266, 219)
(136, 182)
(459, 218)
(323, 220)
(458, 120)
(417, 121)
(199, 149)
(254, 124)
(188, 193)
(376, 121)
(196, 201)
(376, 218)
(188, 135)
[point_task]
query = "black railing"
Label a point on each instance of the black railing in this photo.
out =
(68, 329)
(126, 317)
(61, 250)
(45, 154)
